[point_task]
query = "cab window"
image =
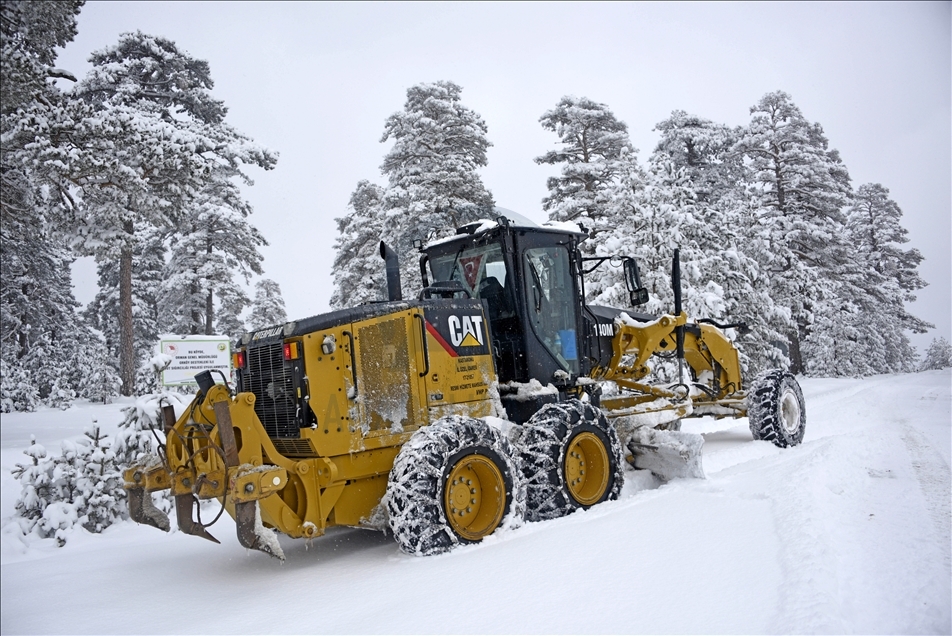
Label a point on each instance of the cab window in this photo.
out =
(550, 301)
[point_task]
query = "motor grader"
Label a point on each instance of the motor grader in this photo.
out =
(497, 395)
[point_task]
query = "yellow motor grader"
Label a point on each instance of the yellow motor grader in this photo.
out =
(477, 405)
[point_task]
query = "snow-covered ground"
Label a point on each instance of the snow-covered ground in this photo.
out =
(847, 533)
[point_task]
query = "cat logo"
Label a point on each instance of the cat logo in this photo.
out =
(466, 331)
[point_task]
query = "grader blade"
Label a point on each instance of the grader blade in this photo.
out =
(667, 454)
(252, 534)
(188, 525)
(143, 510)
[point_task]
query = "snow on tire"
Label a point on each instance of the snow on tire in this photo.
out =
(776, 409)
(454, 482)
(556, 446)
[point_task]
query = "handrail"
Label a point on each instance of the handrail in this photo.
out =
(426, 351)
(353, 360)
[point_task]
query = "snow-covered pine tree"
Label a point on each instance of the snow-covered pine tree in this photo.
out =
(705, 150)
(717, 231)
(593, 144)
(799, 190)
(864, 334)
(36, 298)
(433, 183)
(36, 301)
(231, 303)
(358, 271)
(30, 33)
(212, 245)
(35, 480)
(18, 392)
(101, 500)
(938, 355)
(267, 309)
(100, 379)
(136, 144)
(148, 263)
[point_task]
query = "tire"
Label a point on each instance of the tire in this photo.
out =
(555, 447)
(454, 482)
(776, 409)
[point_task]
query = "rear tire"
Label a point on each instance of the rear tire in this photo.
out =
(454, 482)
(776, 409)
(571, 459)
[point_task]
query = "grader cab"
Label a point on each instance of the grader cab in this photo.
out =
(476, 405)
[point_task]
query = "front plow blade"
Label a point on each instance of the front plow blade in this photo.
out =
(143, 510)
(251, 532)
(183, 511)
(667, 454)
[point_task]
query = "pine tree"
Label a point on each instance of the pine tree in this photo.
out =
(148, 262)
(799, 190)
(433, 184)
(722, 260)
(213, 244)
(100, 379)
(938, 355)
(231, 303)
(593, 147)
(268, 308)
(862, 332)
(35, 479)
(30, 33)
(136, 144)
(359, 276)
(101, 501)
(18, 392)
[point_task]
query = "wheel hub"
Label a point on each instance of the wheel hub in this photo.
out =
(790, 412)
(586, 468)
(474, 497)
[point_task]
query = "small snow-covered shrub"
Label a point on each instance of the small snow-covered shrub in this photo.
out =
(80, 485)
(35, 479)
(101, 381)
(83, 484)
(938, 355)
(17, 391)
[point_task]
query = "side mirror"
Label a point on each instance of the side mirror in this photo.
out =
(637, 294)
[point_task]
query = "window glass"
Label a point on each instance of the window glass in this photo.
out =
(471, 267)
(551, 302)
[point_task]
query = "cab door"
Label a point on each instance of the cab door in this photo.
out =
(551, 313)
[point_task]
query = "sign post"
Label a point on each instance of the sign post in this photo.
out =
(193, 354)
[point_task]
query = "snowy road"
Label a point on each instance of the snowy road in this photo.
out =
(847, 533)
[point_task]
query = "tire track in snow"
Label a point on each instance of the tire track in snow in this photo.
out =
(935, 481)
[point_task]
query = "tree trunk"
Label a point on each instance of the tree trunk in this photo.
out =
(209, 312)
(796, 357)
(127, 354)
(209, 299)
(196, 316)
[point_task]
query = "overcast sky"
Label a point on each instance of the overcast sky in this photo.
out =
(315, 83)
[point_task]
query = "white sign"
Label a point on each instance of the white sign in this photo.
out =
(194, 354)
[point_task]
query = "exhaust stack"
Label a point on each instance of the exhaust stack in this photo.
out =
(393, 272)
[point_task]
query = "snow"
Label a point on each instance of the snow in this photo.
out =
(564, 226)
(847, 533)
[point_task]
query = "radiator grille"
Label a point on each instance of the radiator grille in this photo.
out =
(270, 380)
(295, 447)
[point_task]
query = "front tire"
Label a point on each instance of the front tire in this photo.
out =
(454, 482)
(571, 459)
(776, 409)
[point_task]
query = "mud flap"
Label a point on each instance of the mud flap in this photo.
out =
(188, 525)
(667, 454)
(251, 532)
(143, 510)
